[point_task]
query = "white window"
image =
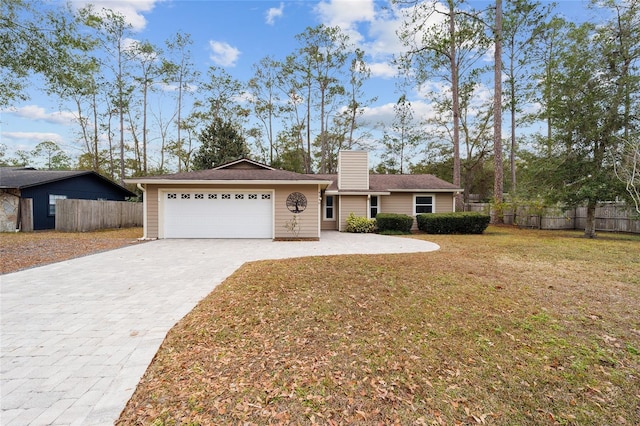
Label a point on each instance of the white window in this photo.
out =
(328, 207)
(373, 206)
(424, 204)
(52, 203)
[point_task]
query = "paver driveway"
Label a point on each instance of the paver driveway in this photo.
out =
(77, 336)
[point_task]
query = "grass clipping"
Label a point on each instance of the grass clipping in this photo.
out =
(510, 327)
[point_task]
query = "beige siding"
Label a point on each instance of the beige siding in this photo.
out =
(330, 225)
(356, 204)
(308, 220)
(444, 202)
(353, 170)
(151, 225)
(403, 203)
(398, 202)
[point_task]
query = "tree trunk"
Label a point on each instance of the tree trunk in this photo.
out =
(179, 122)
(590, 225)
(455, 105)
(308, 153)
(144, 129)
(498, 181)
(121, 112)
(323, 133)
(512, 154)
(112, 165)
(96, 148)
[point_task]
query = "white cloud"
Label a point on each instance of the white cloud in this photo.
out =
(34, 112)
(422, 110)
(130, 44)
(345, 13)
(373, 29)
(273, 13)
(428, 88)
(385, 114)
(33, 137)
(383, 70)
(223, 53)
(167, 87)
(383, 36)
(381, 114)
(133, 11)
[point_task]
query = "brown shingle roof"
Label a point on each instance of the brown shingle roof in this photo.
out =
(384, 183)
(408, 182)
(238, 170)
(249, 174)
(247, 170)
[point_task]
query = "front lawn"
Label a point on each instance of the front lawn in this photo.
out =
(513, 327)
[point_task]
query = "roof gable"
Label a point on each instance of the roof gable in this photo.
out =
(243, 163)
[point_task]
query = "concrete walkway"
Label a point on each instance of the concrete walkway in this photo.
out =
(77, 336)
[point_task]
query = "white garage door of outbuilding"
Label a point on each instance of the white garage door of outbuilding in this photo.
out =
(220, 214)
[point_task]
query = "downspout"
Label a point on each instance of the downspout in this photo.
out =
(320, 214)
(338, 218)
(19, 215)
(144, 210)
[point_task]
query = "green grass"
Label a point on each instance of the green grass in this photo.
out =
(513, 327)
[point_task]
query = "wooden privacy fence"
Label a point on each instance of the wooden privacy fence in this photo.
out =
(90, 215)
(609, 217)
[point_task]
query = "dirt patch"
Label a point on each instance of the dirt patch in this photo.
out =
(29, 249)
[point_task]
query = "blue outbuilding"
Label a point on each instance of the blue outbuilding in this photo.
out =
(44, 187)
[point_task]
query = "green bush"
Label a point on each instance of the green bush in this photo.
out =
(453, 223)
(393, 222)
(360, 224)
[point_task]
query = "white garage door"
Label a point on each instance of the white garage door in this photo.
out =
(228, 214)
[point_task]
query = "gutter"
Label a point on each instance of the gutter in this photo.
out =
(355, 192)
(226, 182)
(426, 190)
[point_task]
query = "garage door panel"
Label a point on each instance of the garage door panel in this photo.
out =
(218, 215)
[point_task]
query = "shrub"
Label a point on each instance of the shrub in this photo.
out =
(453, 223)
(393, 222)
(360, 224)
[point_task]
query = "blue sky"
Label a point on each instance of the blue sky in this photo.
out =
(235, 35)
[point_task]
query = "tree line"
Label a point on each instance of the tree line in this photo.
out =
(568, 92)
